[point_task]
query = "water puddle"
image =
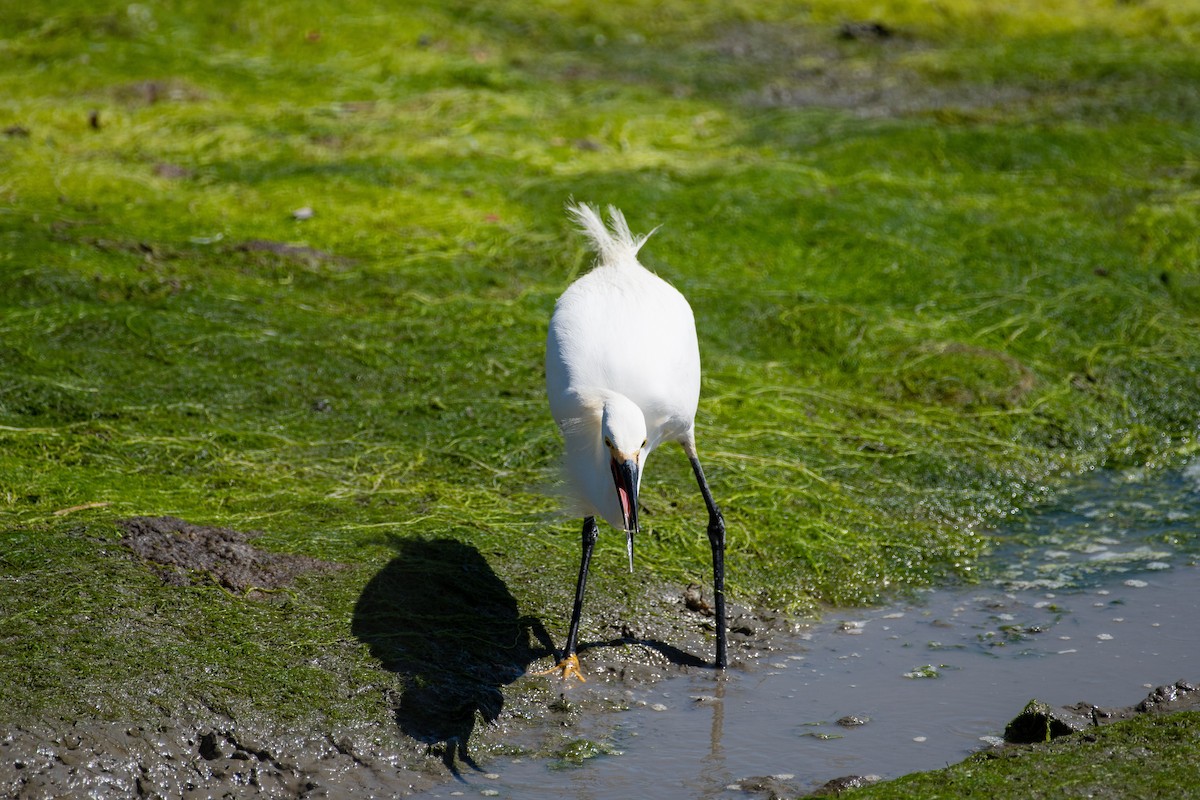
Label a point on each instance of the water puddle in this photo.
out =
(1090, 599)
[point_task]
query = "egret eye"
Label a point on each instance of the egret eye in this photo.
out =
(644, 442)
(607, 442)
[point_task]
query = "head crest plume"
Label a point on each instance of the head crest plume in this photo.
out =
(613, 242)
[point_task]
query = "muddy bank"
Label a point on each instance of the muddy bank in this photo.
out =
(225, 758)
(447, 639)
(173, 758)
(200, 753)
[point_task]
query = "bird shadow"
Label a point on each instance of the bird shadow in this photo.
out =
(439, 616)
(673, 654)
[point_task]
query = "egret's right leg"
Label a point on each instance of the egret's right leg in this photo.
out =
(569, 666)
(590, 534)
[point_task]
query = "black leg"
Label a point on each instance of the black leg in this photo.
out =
(590, 533)
(716, 538)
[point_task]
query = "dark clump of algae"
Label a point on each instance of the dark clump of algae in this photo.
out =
(287, 269)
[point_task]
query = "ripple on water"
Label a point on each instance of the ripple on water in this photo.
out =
(1103, 524)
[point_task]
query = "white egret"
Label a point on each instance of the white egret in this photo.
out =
(623, 376)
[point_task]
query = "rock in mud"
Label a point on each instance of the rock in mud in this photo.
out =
(1179, 696)
(1039, 722)
(772, 787)
(836, 786)
(693, 598)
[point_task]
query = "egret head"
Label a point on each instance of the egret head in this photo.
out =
(623, 428)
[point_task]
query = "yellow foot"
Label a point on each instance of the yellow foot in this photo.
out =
(568, 667)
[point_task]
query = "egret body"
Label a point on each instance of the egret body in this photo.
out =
(623, 377)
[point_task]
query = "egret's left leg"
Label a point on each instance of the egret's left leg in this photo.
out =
(716, 538)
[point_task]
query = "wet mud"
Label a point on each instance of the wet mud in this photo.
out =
(175, 759)
(184, 554)
(864, 68)
(453, 715)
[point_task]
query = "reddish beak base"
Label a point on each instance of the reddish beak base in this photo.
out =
(625, 480)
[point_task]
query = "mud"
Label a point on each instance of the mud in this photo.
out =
(151, 92)
(309, 256)
(185, 554)
(447, 715)
(865, 68)
(176, 759)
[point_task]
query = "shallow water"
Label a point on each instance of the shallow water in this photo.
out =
(1092, 598)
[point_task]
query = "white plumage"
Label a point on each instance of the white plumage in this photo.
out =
(622, 377)
(621, 339)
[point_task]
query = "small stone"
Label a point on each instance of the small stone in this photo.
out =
(303, 213)
(838, 785)
(1038, 722)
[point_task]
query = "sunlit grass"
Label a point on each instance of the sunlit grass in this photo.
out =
(931, 273)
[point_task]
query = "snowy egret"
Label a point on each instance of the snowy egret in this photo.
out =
(623, 376)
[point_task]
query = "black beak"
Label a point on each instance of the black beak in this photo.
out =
(625, 477)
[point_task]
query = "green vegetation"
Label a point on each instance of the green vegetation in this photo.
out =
(934, 264)
(1149, 756)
